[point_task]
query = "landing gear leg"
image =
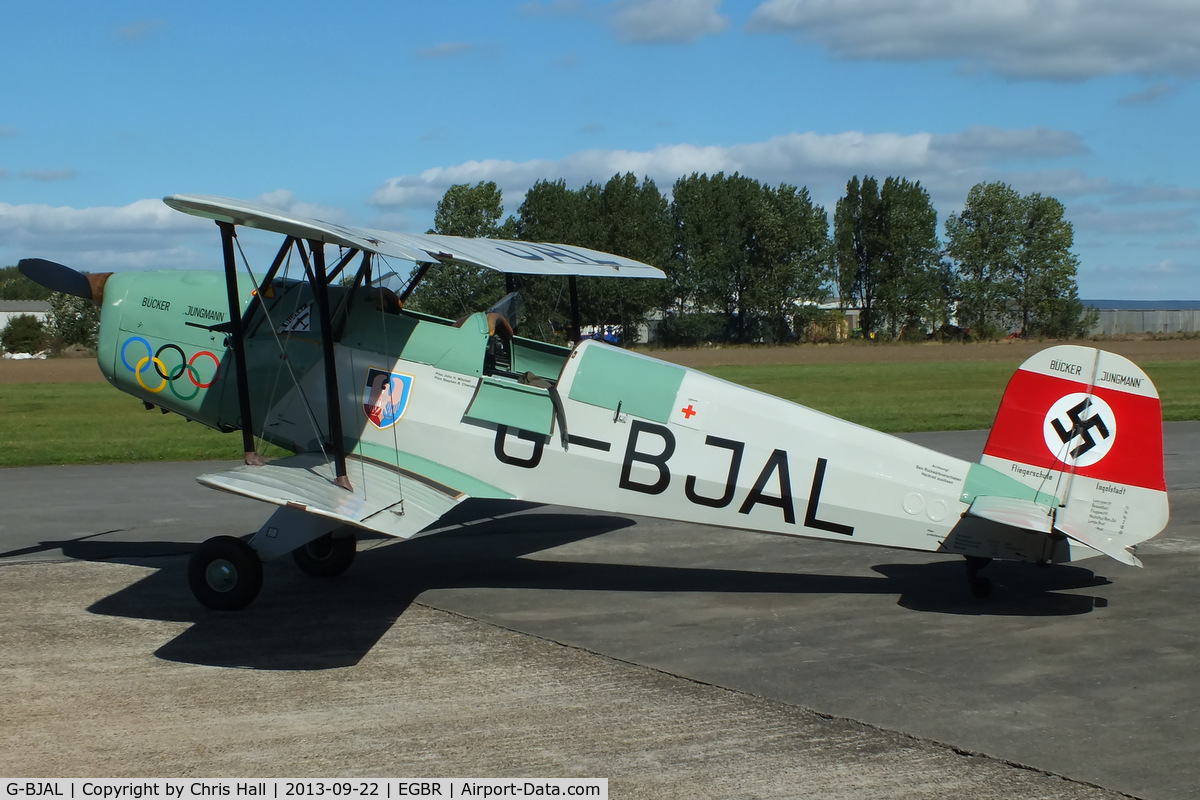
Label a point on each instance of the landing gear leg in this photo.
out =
(225, 573)
(981, 587)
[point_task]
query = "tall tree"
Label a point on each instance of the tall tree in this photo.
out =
(473, 211)
(789, 259)
(452, 291)
(750, 252)
(632, 221)
(909, 289)
(712, 227)
(984, 239)
(15, 286)
(1015, 265)
(624, 217)
(1048, 297)
(859, 245)
(550, 212)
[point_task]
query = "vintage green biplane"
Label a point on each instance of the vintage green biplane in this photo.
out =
(395, 417)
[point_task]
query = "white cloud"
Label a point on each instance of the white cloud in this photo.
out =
(1181, 244)
(1002, 144)
(142, 235)
(946, 164)
(1157, 279)
(49, 175)
(1156, 193)
(1161, 268)
(148, 234)
(659, 21)
(1149, 96)
(1050, 39)
(285, 200)
(139, 216)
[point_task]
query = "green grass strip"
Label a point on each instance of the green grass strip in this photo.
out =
(92, 423)
(903, 397)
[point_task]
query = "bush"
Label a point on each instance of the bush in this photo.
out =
(23, 334)
(689, 330)
(73, 320)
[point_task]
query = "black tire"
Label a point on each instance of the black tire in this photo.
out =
(225, 574)
(326, 556)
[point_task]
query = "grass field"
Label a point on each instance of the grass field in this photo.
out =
(92, 423)
(925, 396)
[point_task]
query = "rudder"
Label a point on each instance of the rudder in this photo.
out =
(1085, 426)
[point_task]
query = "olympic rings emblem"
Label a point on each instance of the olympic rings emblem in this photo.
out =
(168, 376)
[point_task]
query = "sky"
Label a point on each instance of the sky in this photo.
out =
(364, 113)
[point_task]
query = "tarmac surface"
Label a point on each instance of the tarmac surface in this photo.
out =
(677, 661)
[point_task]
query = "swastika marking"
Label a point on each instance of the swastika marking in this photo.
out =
(1080, 428)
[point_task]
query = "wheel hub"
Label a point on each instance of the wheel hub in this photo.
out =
(221, 575)
(321, 549)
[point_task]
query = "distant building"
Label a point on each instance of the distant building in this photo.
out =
(1128, 317)
(15, 308)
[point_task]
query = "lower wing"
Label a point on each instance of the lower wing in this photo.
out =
(384, 498)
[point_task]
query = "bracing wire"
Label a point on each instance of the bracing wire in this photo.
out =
(283, 356)
(1060, 457)
(390, 359)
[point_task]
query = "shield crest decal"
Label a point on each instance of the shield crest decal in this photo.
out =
(385, 396)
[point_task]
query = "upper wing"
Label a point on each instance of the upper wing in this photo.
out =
(529, 258)
(384, 499)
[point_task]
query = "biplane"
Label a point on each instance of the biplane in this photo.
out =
(394, 417)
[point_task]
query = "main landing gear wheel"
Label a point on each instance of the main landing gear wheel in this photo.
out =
(981, 587)
(326, 556)
(225, 573)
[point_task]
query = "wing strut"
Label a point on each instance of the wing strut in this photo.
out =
(264, 285)
(576, 332)
(320, 286)
(235, 341)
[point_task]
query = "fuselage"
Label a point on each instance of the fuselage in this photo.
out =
(592, 427)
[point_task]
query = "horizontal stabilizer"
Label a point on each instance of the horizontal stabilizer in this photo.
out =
(390, 501)
(1030, 516)
(1024, 514)
(1098, 541)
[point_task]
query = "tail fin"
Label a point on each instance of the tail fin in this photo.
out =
(1085, 426)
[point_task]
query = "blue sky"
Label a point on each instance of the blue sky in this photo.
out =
(364, 113)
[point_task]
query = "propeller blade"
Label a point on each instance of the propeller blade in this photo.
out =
(60, 278)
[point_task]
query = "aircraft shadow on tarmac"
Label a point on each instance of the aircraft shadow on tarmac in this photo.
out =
(301, 623)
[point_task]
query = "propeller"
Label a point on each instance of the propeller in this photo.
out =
(60, 278)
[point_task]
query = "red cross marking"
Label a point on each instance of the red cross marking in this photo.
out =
(688, 412)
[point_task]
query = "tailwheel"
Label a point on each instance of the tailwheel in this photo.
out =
(981, 587)
(326, 556)
(225, 573)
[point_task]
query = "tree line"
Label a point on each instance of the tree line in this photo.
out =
(750, 262)
(71, 320)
